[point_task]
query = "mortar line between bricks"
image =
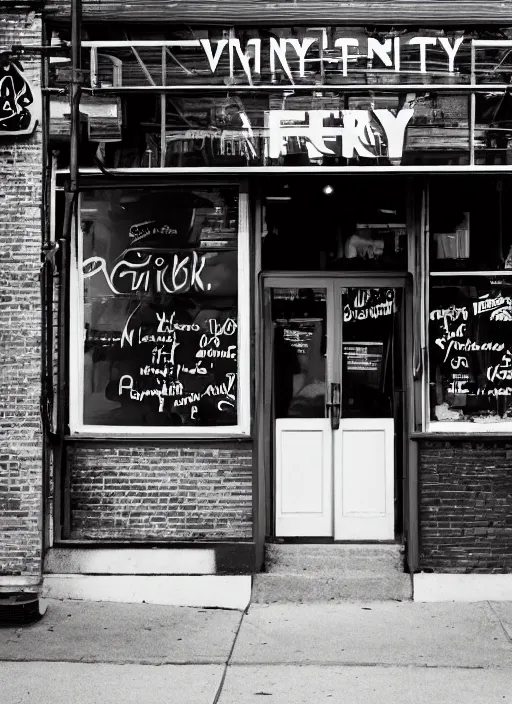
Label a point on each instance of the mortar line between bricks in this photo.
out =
(497, 617)
(228, 661)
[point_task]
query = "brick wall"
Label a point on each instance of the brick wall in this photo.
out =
(466, 506)
(20, 245)
(162, 493)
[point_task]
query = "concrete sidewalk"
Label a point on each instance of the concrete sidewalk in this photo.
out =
(372, 653)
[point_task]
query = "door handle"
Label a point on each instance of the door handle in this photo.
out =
(334, 406)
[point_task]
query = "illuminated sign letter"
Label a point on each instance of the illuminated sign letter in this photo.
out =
(380, 50)
(422, 42)
(451, 51)
(213, 61)
(343, 44)
(394, 127)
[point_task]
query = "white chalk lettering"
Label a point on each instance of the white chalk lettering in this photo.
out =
(174, 273)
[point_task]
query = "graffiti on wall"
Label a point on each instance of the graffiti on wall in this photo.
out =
(18, 101)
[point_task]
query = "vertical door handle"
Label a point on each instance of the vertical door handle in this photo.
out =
(334, 406)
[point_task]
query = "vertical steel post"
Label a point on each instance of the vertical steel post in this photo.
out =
(46, 284)
(70, 215)
(76, 51)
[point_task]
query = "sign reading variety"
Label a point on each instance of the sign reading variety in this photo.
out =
(280, 52)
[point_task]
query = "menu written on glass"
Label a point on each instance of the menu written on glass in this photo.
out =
(471, 353)
(161, 346)
(362, 356)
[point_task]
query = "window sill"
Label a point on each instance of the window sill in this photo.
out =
(456, 434)
(157, 437)
(470, 428)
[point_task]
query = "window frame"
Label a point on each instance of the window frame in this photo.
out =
(161, 90)
(242, 429)
(448, 427)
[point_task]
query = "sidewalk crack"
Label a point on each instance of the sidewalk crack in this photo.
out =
(498, 618)
(228, 661)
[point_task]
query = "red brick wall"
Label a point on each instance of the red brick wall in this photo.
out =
(466, 506)
(162, 493)
(20, 246)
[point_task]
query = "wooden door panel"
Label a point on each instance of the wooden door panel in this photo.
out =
(303, 477)
(364, 479)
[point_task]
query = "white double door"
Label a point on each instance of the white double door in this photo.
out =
(336, 372)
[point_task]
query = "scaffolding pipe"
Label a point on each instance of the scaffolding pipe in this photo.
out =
(74, 94)
(62, 503)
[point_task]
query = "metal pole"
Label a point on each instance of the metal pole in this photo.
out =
(46, 284)
(70, 215)
(74, 95)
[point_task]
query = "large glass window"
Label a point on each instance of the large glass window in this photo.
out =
(470, 304)
(338, 224)
(161, 318)
(299, 317)
(471, 349)
(290, 97)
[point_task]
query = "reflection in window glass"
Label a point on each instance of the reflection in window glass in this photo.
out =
(312, 55)
(370, 352)
(494, 64)
(331, 128)
(470, 349)
(160, 307)
(299, 320)
(117, 131)
(470, 224)
(439, 131)
(270, 128)
(493, 128)
(340, 224)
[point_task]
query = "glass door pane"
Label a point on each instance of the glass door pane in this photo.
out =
(370, 351)
(299, 318)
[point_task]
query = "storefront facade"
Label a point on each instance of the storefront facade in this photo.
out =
(279, 307)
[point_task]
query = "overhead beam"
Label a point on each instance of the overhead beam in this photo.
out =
(286, 12)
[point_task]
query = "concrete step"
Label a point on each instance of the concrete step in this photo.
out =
(303, 573)
(375, 559)
(307, 588)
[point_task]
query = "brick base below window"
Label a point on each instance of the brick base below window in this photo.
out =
(160, 493)
(466, 506)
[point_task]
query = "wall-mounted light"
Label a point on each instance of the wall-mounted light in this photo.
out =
(328, 190)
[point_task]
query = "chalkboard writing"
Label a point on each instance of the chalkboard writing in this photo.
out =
(367, 303)
(362, 356)
(298, 334)
(161, 322)
(471, 352)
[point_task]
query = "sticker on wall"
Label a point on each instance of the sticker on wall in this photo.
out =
(19, 103)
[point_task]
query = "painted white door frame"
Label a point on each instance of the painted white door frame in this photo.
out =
(334, 482)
